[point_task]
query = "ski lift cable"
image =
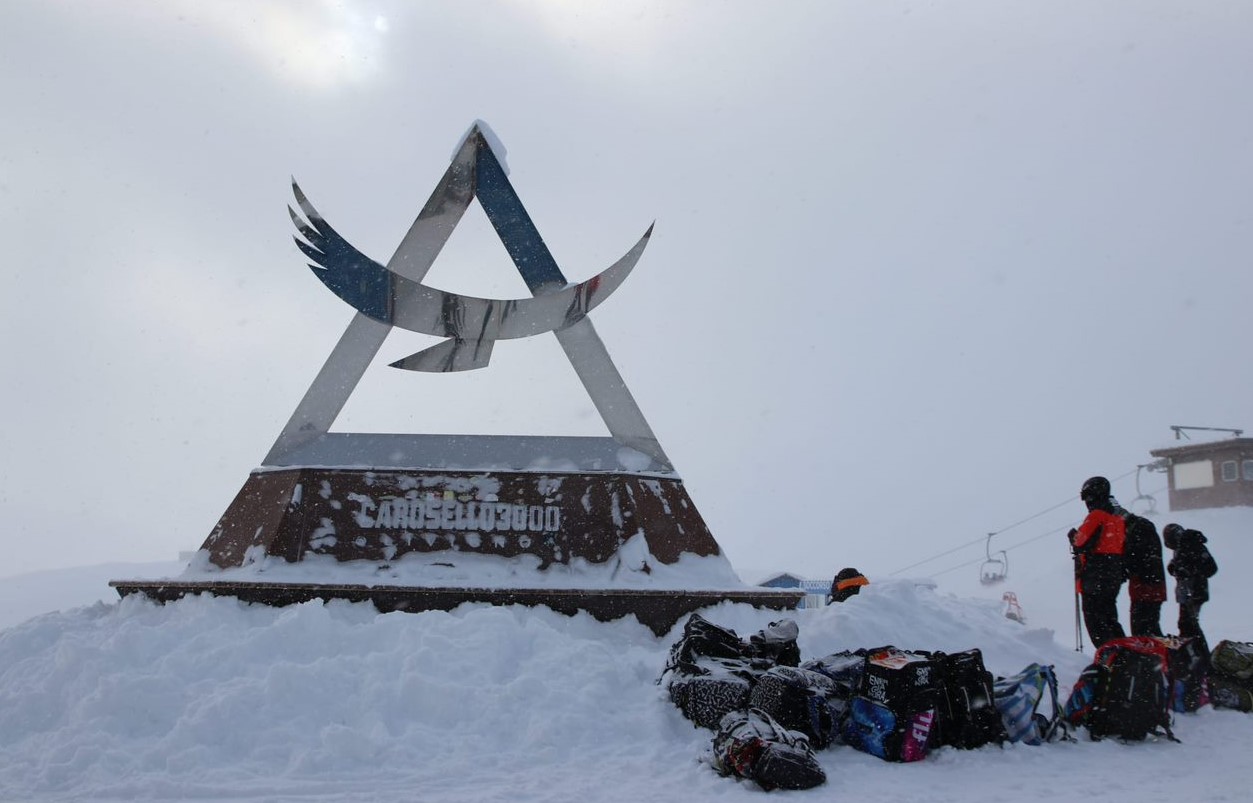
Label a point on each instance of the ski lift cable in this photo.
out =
(983, 539)
(1059, 504)
(1054, 531)
(1032, 539)
(978, 540)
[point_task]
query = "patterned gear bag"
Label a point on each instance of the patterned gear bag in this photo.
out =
(1018, 698)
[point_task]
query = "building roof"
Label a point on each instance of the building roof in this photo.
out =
(1205, 448)
(782, 577)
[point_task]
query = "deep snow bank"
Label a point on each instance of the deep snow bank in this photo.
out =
(208, 698)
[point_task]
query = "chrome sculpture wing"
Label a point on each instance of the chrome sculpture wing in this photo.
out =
(390, 298)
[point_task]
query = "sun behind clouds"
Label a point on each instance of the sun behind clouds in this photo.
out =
(315, 45)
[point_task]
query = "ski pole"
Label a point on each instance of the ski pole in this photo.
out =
(1074, 556)
(1078, 628)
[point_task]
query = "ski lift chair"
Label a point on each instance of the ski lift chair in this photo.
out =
(996, 568)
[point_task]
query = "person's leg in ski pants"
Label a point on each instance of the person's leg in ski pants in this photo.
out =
(1100, 615)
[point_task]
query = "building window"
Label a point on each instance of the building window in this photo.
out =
(1229, 471)
(1197, 474)
(1248, 469)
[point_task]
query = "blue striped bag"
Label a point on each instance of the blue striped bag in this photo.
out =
(1018, 698)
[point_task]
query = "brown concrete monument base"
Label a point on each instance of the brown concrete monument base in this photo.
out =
(382, 515)
(298, 534)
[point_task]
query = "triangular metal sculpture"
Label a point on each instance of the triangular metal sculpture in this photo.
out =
(393, 295)
(434, 521)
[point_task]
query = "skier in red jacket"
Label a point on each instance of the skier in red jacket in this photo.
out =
(1098, 545)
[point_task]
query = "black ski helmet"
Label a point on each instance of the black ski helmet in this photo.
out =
(847, 582)
(1095, 489)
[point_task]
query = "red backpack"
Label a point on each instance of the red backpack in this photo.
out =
(1125, 692)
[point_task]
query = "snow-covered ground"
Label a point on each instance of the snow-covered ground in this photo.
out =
(211, 699)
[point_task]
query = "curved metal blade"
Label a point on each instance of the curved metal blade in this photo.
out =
(449, 356)
(390, 298)
(467, 354)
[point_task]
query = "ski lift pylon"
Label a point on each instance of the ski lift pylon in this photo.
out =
(996, 568)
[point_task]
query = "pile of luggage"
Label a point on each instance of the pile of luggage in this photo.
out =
(770, 712)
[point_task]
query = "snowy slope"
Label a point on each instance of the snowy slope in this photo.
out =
(211, 699)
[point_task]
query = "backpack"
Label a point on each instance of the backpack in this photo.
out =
(800, 700)
(706, 699)
(1231, 675)
(1125, 692)
(1228, 692)
(968, 714)
(1187, 665)
(1143, 551)
(711, 670)
(893, 716)
(844, 670)
(1018, 698)
(702, 639)
(1083, 697)
(752, 744)
(1233, 660)
(775, 644)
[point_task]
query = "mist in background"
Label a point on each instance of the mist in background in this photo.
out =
(918, 269)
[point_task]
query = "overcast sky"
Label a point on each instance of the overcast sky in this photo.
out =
(919, 268)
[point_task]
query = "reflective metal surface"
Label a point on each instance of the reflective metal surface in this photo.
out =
(390, 298)
(394, 295)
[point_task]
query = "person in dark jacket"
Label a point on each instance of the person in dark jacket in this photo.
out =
(1098, 545)
(1192, 566)
(846, 583)
(1146, 577)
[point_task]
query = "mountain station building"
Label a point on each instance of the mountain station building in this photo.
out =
(1209, 475)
